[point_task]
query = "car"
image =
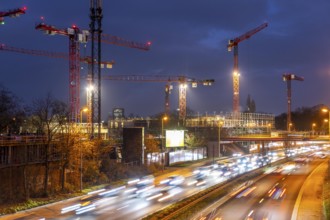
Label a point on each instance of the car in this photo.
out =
(174, 180)
(277, 192)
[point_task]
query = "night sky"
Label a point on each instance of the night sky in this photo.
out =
(188, 38)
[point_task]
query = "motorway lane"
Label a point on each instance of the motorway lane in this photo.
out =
(257, 205)
(120, 207)
(134, 208)
(115, 207)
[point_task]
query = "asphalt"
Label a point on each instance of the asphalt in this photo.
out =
(308, 204)
(178, 169)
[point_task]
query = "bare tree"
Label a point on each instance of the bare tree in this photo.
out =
(49, 115)
(11, 112)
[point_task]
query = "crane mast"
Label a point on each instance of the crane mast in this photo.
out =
(288, 78)
(95, 70)
(76, 36)
(182, 80)
(234, 44)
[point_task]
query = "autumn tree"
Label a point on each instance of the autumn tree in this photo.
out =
(151, 144)
(193, 140)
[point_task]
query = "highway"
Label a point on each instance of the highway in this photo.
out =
(259, 200)
(117, 206)
(127, 202)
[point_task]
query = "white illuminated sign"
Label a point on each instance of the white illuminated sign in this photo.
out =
(174, 138)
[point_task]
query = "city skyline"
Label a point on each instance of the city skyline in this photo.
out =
(187, 39)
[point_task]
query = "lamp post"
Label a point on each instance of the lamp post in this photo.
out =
(162, 132)
(81, 111)
(85, 109)
(325, 121)
(269, 128)
(313, 128)
(326, 110)
(220, 123)
(81, 169)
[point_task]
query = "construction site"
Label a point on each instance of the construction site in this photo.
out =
(239, 122)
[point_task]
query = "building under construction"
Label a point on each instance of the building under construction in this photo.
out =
(236, 123)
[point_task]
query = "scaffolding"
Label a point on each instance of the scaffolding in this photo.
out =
(239, 123)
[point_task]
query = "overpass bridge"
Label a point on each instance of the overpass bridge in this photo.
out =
(265, 138)
(25, 150)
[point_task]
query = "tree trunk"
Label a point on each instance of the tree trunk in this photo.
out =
(63, 177)
(26, 184)
(46, 171)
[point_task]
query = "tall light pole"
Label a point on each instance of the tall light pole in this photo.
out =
(81, 169)
(313, 128)
(81, 112)
(85, 109)
(162, 132)
(220, 123)
(326, 110)
(269, 128)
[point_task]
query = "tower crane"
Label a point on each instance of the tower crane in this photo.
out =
(88, 60)
(182, 80)
(11, 13)
(288, 78)
(77, 36)
(234, 44)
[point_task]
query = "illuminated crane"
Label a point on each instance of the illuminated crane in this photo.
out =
(77, 36)
(182, 80)
(288, 78)
(11, 13)
(88, 60)
(234, 44)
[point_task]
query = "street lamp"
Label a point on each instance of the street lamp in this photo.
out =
(269, 127)
(81, 169)
(81, 111)
(326, 110)
(313, 128)
(290, 126)
(85, 109)
(220, 123)
(162, 132)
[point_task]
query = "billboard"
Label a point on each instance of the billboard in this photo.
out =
(174, 138)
